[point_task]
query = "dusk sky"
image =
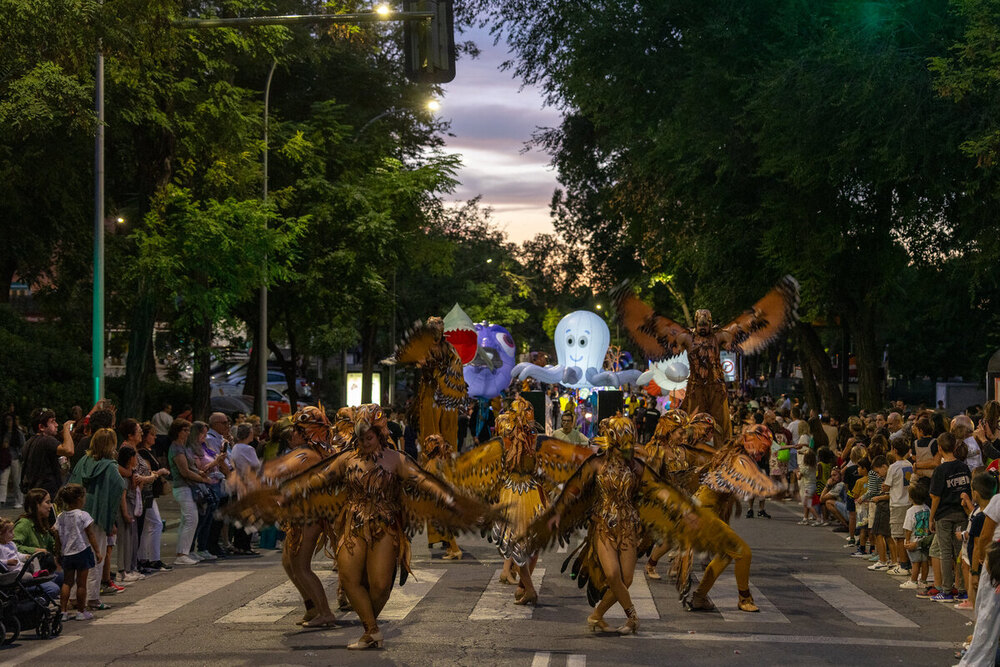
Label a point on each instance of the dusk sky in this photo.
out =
(491, 120)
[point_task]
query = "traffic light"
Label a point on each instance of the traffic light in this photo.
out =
(430, 45)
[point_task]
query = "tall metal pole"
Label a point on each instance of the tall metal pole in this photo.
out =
(262, 328)
(97, 334)
(392, 339)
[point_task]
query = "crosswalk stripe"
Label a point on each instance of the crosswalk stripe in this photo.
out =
(541, 659)
(273, 605)
(853, 602)
(404, 598)
(725, 596)
(576, 660)
(642, 600)
(278, 602)
(746, 638)
(497, 601)
(41, 649)
(166, 601)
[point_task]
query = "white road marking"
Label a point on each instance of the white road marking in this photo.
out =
(403, 599)
(171, 599)
(273, 605)
(797, 639)
(42, 647)
(280, 601)
(642, 599)
(725, 597)
(541, 659)
(497, 601)
(853, 602)
(576, 660)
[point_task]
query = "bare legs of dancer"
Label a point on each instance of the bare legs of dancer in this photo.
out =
(376, 564)
(658, 552)
(742, 555)
(506, 577)
(619, 567)
(298, 566)
(526, 593)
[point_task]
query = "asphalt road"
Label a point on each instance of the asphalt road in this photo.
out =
(820, 607)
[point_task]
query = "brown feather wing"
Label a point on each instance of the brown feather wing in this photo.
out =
(655, 335)
(741, 477)
(573, 507)
(558, 460)
(416, 346)
(480, 470)
(760, 326)
(427, 497)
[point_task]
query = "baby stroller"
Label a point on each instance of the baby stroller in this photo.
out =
(25, 606)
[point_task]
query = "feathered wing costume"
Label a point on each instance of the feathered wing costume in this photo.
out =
(517, 470)
(312, 439)
(442, 390)
(731, 476)
(618, 499)
(437, 457)
(660, 337)
(376, 499)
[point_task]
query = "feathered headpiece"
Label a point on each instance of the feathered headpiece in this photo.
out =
(516, 425)
(616, 433)
(371, 416)
(436, 447)
(311, 422)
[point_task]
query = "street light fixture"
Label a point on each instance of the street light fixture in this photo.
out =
(383, 11)
(120, 220)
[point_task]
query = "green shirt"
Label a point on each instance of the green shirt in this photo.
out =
(29, 539)
(572, 436)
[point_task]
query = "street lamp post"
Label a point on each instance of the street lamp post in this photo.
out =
(97, 332)
(262, 327)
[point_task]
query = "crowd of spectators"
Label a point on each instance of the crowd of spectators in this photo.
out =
(90, 490)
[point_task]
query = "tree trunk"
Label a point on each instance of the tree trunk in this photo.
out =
(866, 351)
(288, 368)
(811, 352)
(137, 368)
(7, 268)
(809, 386)
(202, 366)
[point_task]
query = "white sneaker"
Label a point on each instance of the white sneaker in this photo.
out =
(878, 566)
(195, 556)
(205, 555)
(804, 522)
(129, 577)
(909, 583)
(185, 560)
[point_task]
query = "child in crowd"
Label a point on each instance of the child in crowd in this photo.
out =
(858, 493)
(916, 531)
(984, 487)
(897, 481)
(983, 648)
(806, 475)
(78, 544)
(879, 522)
(11, 558)
(851, 476)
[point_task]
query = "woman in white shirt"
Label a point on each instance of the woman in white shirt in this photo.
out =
(244, 458)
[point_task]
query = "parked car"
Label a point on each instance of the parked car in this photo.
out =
(277, 404)
(275, 380)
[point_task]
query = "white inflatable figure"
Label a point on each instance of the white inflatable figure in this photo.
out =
(670, 374)
(582, 340)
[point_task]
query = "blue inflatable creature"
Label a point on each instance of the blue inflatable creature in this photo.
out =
(489, 372)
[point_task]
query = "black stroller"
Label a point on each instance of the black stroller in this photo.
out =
(25, 606)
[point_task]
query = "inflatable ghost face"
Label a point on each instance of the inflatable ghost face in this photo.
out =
(489, 372)
(581, 339)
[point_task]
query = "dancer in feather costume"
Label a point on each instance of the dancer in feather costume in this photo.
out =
(518, 470)
(436, 457)
(619, 499)
(730, 476)
(375, 497)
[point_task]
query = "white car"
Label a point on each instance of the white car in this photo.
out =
(275, 381)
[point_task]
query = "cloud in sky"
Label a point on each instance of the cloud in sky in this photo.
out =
(492, 118)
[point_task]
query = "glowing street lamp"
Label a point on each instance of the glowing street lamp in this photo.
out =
(383, 11)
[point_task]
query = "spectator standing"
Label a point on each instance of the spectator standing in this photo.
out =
(11, 442)
(163, 419)
(916, 530)
(983, 647)
(184, 475)
(878, 505)
(567, 432)
(102, 416)
(807, 488)
(962, 428)
(246, 463)
(42, 451)
(897, 483)
(949, 481)
(97, 473)
(81, 549)
(131, 507)
(988, 432)
(924, 450)
(212, 460)
(151, 525)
